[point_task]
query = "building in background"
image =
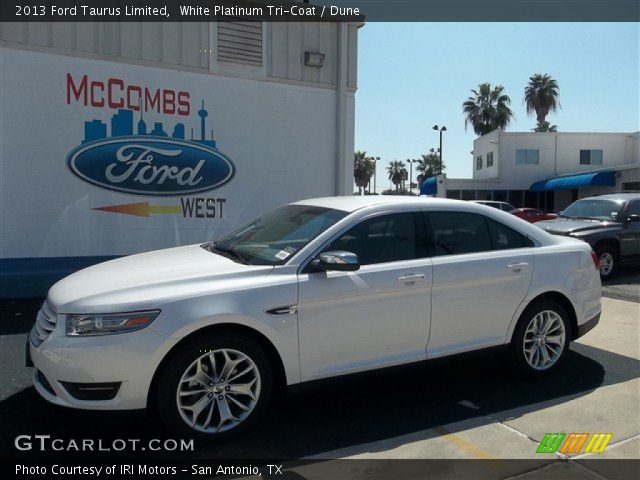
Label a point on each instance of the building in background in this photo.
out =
(546, 170)
(119, 138)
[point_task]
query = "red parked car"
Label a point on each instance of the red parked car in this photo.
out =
(533, 215)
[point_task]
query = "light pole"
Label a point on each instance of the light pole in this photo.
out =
(375, 169)
(411, 161)
(443, 129)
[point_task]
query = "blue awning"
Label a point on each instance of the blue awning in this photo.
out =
(429, 186)
(575, 181)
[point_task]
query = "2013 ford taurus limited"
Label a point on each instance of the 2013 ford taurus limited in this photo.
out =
(205, 333)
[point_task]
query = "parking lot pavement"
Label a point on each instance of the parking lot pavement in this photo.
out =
(467, 407)
(625, 285)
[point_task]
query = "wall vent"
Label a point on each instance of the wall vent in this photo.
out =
(240, 42)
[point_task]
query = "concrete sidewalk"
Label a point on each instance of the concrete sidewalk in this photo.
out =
(516, 433)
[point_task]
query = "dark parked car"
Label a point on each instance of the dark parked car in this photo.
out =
(609, 223)
(504, 206)
(533, 215)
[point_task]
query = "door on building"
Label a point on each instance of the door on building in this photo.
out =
(376, 316)
(481, 274)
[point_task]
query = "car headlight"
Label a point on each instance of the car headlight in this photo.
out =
(85, 325)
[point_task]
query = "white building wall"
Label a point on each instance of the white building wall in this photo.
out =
(481, 147)
(281, 154)
(559, 154)
(616, 150)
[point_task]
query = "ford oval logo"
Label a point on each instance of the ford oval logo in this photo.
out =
(154, 166)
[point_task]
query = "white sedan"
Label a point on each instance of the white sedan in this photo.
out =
(205, 333)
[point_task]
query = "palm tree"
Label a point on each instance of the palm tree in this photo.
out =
(429, 165)
(363, 168)
(397, 173)
(487, 109)
(541, 96)
(545, 127)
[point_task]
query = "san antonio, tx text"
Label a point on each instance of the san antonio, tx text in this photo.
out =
(141, 469)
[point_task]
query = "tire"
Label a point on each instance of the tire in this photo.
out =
(608, 257)
(221, 402)
(525, 358)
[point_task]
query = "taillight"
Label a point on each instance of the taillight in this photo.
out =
(596, 260)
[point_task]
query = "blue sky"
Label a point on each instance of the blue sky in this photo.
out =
(414, 75)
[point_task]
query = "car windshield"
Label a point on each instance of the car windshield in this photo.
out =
(594, 209)
(277, 235)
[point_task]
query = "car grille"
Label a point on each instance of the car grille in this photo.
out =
(45, 324)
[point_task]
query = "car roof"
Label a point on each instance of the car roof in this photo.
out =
(490, 201)
(356, 202)
(620, 197)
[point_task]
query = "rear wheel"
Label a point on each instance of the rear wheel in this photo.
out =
(541, 338)
(214, 387)
(608, 259)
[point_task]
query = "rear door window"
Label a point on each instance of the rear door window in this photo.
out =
(455, 233)
(505, 238)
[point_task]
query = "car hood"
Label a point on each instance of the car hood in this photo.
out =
(563, 225)
(154, 276)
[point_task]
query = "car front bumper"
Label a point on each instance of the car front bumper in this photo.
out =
(125, 362)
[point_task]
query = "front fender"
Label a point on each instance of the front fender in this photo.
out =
(246, 307)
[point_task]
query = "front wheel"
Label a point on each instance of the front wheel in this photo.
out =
(214, 387)
(541, 338)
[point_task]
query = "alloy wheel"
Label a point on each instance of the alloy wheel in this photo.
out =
(606, 263)
(218, 391)
(544, 340)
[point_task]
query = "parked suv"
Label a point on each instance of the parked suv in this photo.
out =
(609, 223)
(204, 334)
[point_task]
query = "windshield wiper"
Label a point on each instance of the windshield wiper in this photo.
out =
(226, 252)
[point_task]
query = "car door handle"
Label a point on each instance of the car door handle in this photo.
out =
(517, 267)
(410, 278)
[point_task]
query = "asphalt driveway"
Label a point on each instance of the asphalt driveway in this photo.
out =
(625, 286)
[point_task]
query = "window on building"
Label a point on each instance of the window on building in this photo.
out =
(467, 194)
(240, 42)
(590, 157)
(479, 162)
(455, 194)
(389, 238)
(527, 157)
(490, 159)
(515, 198)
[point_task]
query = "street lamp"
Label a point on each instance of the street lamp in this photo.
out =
(411, 161)
(443, 129)
(375, 168)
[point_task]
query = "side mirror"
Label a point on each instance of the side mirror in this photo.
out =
(337, 260)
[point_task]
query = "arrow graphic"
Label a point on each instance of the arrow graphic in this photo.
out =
(141, 209)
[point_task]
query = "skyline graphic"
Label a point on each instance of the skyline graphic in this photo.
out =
(122, 124)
